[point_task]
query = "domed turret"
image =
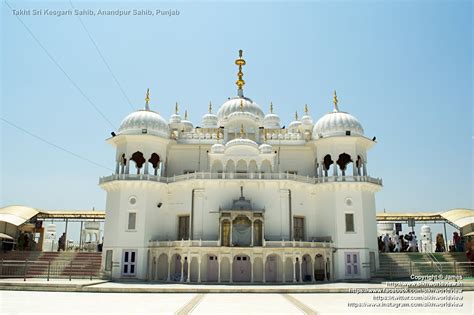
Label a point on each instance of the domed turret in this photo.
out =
(337, 124)
(209, 120)
(271, 120)
(175, 118)
(295, 124)
(306, 120)
(265, 148)
(187, 125)
(145, 121)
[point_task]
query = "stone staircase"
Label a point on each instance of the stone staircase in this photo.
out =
(402, 265)
(56, 264)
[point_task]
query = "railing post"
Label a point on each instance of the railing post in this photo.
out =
(49, 269)
(24, 271)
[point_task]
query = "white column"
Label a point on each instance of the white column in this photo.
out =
(284, 269)
(335, 169)
(301, 271)
(251, 269)
(127, 167)
(230, 236)
(182, 270)
(231, 269)
(312, 270)
(117, 167)
(189, 269)
(293, 262)
(218, 270)
(199, 269)
(251, 233)
(364, 169)
(146, 168)
(325, 278)
(263, 268)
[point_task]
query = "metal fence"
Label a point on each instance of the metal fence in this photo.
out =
(49, 269)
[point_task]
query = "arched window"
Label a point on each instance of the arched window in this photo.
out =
(138, 158)
(155, 163)
(327, 162)
(343, 161)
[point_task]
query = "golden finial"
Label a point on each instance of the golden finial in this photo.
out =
(336, 109)
(296, 115)
(210, 107)
(240, 82)
(241, 130)
(271, 108)
(306, 110)
(186, 114)
(147, 99)
(176, 108)
(241, 105)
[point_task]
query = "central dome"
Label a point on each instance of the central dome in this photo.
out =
(234, 105)
(139, 120)
(337, 124)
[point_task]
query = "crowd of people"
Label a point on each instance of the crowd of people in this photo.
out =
(398, 243)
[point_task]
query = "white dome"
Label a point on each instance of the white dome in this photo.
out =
(233, 105)
(336, 124)
(187, 125)
(265, 148)
(241, 141)
(209, 121)
(271, 121)
(217, 148)
(294, 125)
(175, 119)
(135, 122)
(306, 120)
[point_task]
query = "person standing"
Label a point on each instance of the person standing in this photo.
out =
(386, 243)
(396, 241)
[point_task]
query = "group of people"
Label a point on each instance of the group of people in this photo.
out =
(398, 243)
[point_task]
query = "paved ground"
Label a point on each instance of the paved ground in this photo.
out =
(22, 302)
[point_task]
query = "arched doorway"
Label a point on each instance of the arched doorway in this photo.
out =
(319, 267)
(271, 268)
(241, 268)
(241, 231)
(306, 268)
(175, 274)
(162, 273)
(212, 268)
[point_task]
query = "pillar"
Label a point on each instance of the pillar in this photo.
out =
(168, 278)
(127, 167)
(251, 233)
(218, 270)
(312, 270)
(335, 169)
(364, 169)
(251, 269)
(230, 236)
(188, 279)
(231, 269)
(284, 269)
(294, 269)
(182, 270)
(264, 262)
(199, 269)
(146, 168)
(301, 271)
(325, 270)
(117, 167)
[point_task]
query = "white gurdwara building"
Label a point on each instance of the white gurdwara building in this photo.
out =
(240, 198)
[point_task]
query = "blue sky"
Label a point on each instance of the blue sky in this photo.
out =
(404, 69)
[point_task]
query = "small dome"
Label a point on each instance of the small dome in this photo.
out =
(187, 125)
(271, 121)
(337, 124)
(294, 125)
(175, 119)
(306, 120)
(135, 122)
(209, 121)
(233, 105)
(265, 148)
(217, 148)
(241, 141)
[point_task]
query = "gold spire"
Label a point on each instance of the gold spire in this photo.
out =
(306, 110)
(210, 107)
(241, 131)
(296, 115)
(186, 114)
(241, 105)
(271, 108)
(176, 108)
(240, 81)
(147, 99)
(336, 109)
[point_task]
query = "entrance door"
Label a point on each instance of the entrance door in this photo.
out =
(212, 268)
(352, 265)
(129, 261)
(241, 269)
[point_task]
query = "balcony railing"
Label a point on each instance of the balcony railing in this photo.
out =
(251, 176)
(269, 244)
